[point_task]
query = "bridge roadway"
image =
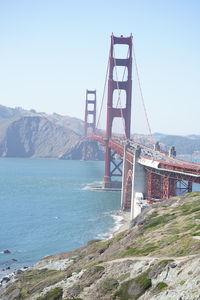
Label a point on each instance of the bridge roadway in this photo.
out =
(154, 161)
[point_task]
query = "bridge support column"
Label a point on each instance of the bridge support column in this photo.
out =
(113, 108)
(90, 118)
(139, 186)
(126, 182)
(107, 176)
(169, 187)
(154, 186)
(189, 187)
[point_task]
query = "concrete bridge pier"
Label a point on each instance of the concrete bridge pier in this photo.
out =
(126, 182)
(139, 186)
(134, 184)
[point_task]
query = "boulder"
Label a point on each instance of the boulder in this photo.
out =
(6, 251)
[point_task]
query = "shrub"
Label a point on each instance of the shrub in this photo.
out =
(55, 294)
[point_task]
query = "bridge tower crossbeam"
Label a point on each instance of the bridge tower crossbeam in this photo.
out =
(115, 111)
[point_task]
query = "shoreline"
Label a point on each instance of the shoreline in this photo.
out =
(124, 223)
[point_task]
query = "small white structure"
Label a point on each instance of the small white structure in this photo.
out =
(137, 204)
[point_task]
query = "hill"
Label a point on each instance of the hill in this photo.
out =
(35, 136)
(183, 144)
(157, 258)
(27, 133)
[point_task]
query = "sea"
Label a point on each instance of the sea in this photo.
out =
(47, 208)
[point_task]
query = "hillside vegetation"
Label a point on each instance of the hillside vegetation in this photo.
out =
(157, 258)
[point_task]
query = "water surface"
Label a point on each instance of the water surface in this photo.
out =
(45, 208)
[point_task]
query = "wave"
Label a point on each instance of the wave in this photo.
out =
(94, 184)
(118, 222)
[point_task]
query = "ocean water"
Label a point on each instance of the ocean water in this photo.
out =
(45, 208)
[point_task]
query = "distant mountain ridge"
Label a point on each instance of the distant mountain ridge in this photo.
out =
(25, 133)
(8, 114)
(188, 144)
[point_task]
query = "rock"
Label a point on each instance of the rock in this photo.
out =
(190, 273)
(74, 291)
(101, 251)
(8, 268)
(108, 285)
(14, 259)
(90, 257)
(140, 270)
(16, 294)
(173, 265)
(158, 269)
(19, 271)
(6, 251)
(6, 279)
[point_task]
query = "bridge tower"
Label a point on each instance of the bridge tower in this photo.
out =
(112, 167)
(90, 118)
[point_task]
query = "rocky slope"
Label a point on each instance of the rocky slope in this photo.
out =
(157, 258)
(93, 151)
(26, 133)
(30, 134)
(34, 136)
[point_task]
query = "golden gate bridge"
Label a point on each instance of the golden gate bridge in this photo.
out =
(147, 172)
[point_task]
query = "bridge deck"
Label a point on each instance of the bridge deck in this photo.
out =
(154, 160)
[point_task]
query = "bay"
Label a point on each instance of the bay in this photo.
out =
(45, 208)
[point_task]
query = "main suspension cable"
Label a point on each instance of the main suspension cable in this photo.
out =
(104, 90)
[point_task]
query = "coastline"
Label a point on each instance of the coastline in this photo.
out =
(124, 223)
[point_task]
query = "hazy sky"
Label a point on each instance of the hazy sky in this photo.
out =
(52, 51)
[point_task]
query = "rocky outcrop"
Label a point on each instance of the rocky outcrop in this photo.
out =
(31, 134)
(88, 150)
(27, 133)
(35, 136)
(157, 258)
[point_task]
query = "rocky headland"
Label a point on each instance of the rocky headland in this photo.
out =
(158, 257)
(26, 133)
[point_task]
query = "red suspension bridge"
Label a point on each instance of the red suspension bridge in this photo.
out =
(145, 171)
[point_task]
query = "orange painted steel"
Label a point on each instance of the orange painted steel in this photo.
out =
(163, 178)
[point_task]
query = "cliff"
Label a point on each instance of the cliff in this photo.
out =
(34, 136)
(157, 258)
(30, 134)
(93, 152)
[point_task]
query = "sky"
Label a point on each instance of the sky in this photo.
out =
(52, 51)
